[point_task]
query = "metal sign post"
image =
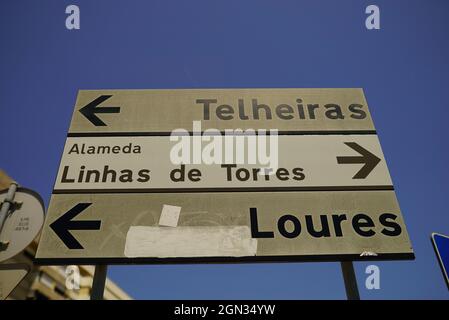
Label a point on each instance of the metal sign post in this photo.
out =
(99, 282)
(6, 206)
(352, 291)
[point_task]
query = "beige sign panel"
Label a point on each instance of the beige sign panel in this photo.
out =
(10, 277)
(144, 163)
(161, 111)
(242, 226)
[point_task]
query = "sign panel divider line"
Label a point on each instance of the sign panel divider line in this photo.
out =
(225, 260)
(212, 190)
(190, 133)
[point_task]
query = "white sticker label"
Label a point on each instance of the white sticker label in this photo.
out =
(169, 216)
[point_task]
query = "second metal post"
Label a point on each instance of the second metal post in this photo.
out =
(352, 291)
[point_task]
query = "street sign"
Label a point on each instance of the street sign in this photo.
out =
(441, 245)
(23, 224)
(306, 161)
(321, 189)
(10, 277)
(158, 112)
(243, 226)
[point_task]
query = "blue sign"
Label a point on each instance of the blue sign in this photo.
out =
(441, 245)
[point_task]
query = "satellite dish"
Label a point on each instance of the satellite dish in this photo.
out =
(23, 224)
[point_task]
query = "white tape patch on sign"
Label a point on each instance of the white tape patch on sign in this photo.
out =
(189, 241)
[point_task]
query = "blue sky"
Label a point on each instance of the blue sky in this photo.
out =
(403, 68)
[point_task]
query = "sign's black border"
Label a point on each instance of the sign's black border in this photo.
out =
(225, 260)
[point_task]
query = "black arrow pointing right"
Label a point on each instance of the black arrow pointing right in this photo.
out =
(369, 160)
(91, 109)
(65, 223)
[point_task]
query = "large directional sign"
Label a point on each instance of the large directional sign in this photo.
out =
(222, 175)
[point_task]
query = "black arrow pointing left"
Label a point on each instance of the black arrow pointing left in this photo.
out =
(65, 223)
(91, 109)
